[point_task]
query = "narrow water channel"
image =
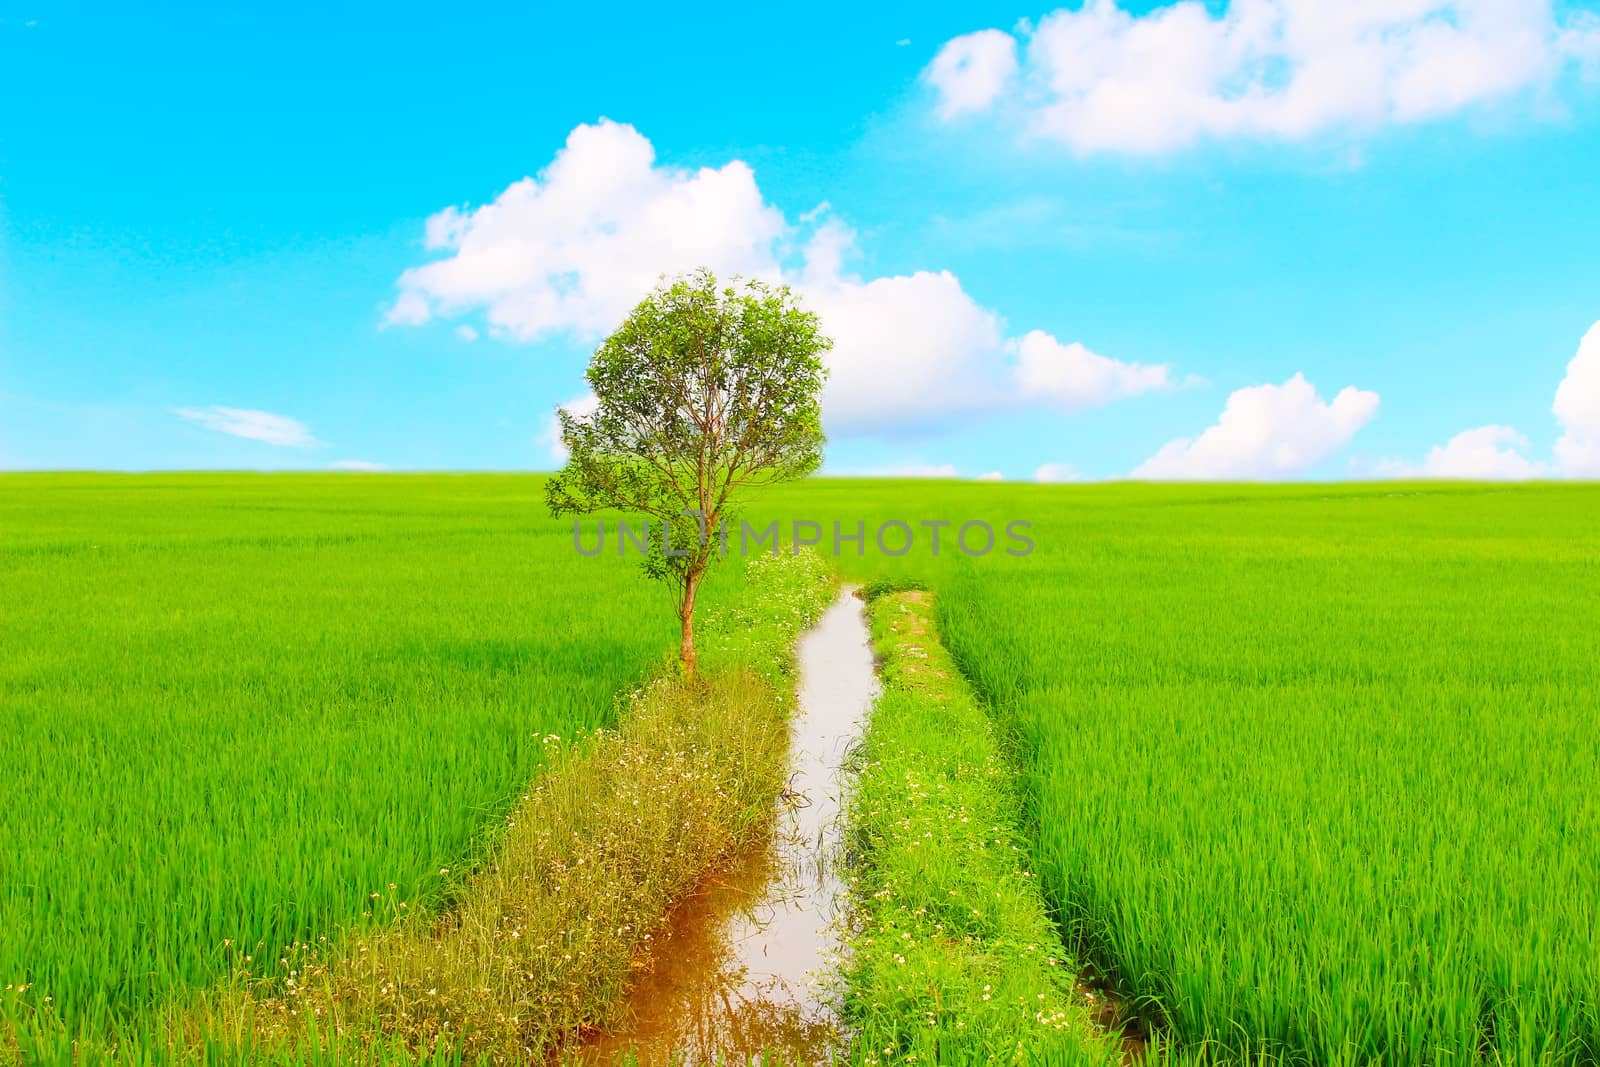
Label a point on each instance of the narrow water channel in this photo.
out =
(745, 965)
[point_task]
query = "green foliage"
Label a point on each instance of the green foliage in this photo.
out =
(794, 589)
(232, 707)
(882, 587)
(545, 941)
(703, 393)
(262, 728)
(1313, 769)
(1309, 771)
(951, 958)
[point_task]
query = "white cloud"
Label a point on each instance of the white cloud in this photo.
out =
(466, 333)
(1056, 472)
(1073, 378)
(1484, 453)
(573, 250)
(254, 425)
(410, 309)
(356, 465)
(906, 347)
(1580, 42)
(1265, 432)
(1577, 408)
(971, 70)
(587, 404)
(1101, 79)
(1498, 452)
(992, 476)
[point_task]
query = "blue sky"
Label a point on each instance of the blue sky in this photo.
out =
(1265, 241)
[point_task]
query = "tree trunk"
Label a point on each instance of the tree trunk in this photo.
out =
(686, 653)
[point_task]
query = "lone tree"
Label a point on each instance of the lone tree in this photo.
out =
(703, 392)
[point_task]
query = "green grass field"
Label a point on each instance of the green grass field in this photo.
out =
(1315, 770)
(234, 707)
(952, 957)
(1311, 772)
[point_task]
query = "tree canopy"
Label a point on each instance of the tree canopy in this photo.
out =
(704, 391)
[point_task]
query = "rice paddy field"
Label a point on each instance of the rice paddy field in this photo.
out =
(243, 712)
(1311, 772)
(1314, 770)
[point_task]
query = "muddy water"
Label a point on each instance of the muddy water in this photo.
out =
(744, 966)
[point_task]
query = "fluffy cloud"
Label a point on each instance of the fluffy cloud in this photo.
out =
(1498, 452)
(1101, 79)
(970, 71)
(356, 465)
(571, 251)
(992, 476)
(575, 249)
(1073, 378)
(1056, 472)
(1487, 452)
(586, 404)
(1577, 408)
(906, 347)
(253, 425)
(1265, 432)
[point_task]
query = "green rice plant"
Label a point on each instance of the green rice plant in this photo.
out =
(244, 715)
(1309, 773)
(950, 957)
(543, 943)
(1312, 771)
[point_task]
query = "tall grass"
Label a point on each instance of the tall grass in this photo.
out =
(951, 958)
(244, 713)
(544, 942)
(1314, 771)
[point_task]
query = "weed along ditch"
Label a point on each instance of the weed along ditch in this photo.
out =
(747, 967)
